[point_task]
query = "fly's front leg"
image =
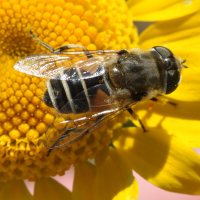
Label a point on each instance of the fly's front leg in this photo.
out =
(41, 43)
(162, 101)
(135, 116)
(63, 48)
(73, 46)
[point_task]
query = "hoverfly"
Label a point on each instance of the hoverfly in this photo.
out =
(99, 84)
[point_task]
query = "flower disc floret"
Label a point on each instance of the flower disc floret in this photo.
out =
(24, 117)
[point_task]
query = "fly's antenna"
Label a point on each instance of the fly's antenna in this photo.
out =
(184, 62)
(185, 65)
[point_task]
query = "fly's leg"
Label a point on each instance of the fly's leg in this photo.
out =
(73, 46)
(60, 139)
(63, 48)
(154, 99)
(41, 43)
(163, 101)
(48, 153)
(135, 116)
(171, 103)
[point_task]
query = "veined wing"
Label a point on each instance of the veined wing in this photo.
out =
(48, 65)
(71, 127)
(81, 127)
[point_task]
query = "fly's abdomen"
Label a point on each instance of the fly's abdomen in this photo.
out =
(73, 90)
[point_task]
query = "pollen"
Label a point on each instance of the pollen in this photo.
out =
(27, 124)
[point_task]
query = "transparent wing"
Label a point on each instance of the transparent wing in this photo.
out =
(68, 128)
(50, 64)
(81, 126)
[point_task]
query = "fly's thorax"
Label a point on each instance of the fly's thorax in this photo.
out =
(137, 73)
(116, 76)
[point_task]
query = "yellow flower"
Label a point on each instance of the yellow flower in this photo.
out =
(162, 155)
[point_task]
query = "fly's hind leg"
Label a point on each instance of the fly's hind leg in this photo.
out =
(63, 48)
(67, 132)
(135, 116)
(57, 141)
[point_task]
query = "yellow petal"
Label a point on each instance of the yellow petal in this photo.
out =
(161, 159)
(182, 36)
(48, 188)
(181, 121)
(173, 32)
(15, 189)
(83, 187)
(114, 177)
(148, 10)
(188, 90)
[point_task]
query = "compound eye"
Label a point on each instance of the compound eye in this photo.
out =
(167, 63)
(173, 79)
(170, 64)
(164, 52)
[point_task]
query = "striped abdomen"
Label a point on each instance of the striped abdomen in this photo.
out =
(74, 93)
